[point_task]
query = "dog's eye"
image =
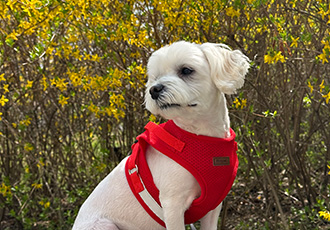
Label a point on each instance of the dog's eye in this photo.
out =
(186, 71)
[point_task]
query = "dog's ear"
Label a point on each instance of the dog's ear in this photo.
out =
(228, 68)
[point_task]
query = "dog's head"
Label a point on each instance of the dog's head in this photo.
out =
(185, 79)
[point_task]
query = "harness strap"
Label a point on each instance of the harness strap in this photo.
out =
(165, 136)
(156, 132)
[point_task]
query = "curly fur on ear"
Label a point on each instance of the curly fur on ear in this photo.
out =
(228, 67)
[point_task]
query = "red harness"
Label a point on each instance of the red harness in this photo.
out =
(212, 161)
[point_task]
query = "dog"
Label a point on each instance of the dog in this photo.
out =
(186, 84)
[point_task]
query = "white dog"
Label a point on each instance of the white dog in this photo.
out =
(186, 84)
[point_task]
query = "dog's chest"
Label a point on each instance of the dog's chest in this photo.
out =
(171, 162)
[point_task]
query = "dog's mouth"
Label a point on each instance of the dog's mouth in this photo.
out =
(174, 105)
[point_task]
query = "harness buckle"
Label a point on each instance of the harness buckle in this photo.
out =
(133, 170)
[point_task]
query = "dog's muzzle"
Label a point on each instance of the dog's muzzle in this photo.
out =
(157, 90)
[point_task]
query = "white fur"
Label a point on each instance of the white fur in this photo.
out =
(200, 107)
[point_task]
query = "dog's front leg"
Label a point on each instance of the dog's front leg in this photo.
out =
(210, 220)
(177, 188)
(173, 214)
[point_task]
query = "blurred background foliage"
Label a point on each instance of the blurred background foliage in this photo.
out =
(72, 77)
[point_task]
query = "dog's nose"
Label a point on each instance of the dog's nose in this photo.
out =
(156, 90)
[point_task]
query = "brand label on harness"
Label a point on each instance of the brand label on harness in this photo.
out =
(221, 161)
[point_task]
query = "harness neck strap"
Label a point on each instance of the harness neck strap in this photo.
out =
(157, 131)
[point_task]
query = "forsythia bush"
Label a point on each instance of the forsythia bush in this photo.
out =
(72, 77)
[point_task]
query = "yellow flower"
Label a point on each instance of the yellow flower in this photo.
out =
(328, 168)
(310, 86)
(2, 78)
(322, 86)
(152, 118)
(11, 4)
(293, 3)
(294, 41)
(41, 163)
(231, 12)
(3, 100)
(26, 122)
(95, 58)
(279, 57)
(63, 100)
(322, 13)
(45, 83)
(37, 186)
(45, 204)
(237, 103)
(28, 147)
(13, 35)
(325, 215)
(243, 103)
(29, 84)
(327, 98)
(0, 116)
(323, 57)
(5, 190)
(5, 88)
(75, 79)
(268, 59)
(93, 108)
(326, 44)
(59, 83)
